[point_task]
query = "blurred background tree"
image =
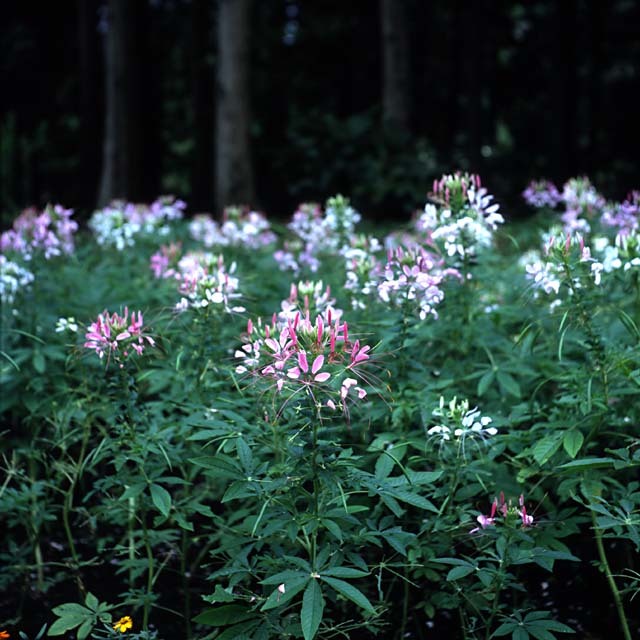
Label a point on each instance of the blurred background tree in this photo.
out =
(120, 98)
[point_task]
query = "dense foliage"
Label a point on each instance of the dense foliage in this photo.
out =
(233, 429)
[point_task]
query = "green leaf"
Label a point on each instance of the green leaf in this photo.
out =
(219, 595)
(283, 576)
(459, 572)
(222, 465)
(520, 634)
(161, 499)
(485, 382)
(384, 466)
(414, 499)
(71, 608)
(244, 455)
(587, 463)
(39, 363)
(91, 602)
(504, 629)
(66, 623)
(344, 572)
(227, 614)
(350, 592)
(572, 442)
(133, 491)
(292, 588)
(312, 609)
(508, 384)
(545, 448)
(239, 631)
(85, 629)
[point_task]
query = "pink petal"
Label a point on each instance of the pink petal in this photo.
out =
(317, 364)
(302, 361)
(322, 377)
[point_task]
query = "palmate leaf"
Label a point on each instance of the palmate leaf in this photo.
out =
(312, 610)
(350, 592)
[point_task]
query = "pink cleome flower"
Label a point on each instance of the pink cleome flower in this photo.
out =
(118, 336)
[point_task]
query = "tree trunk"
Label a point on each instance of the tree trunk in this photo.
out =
(88, 49)
(234, 175)
(202, 105)
(395, 65)
(121, 164)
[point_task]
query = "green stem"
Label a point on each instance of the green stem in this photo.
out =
(131, 539)
(185, 586)
(617, 598)
(147, 601)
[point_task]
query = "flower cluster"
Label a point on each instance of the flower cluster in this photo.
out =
(581, 201)
(459, 422)
(567, 260)
(120, 223)
(363, 269)
(66, 324)
(13, 280)
(240, 228)
(413, 277)
(50, 231)
(205, 281)
(316, 233)
(509, 513)
(308, 299)
(462, 216)
(542, 193)
(623, 216)
(118, 336)
(164, 263)
(317, 357)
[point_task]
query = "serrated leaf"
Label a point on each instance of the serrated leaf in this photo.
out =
(161, 498)
(545, 448)
(312, 610)
(350, 592)
(414, 500)
(384, 466)
(572, 442)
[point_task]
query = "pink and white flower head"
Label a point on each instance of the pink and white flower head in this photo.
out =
(240, 227)
(414, 277)
(49, 232)
(118, 336)
(504, 513)
(318, 357)
(121, 223)
(308, 298)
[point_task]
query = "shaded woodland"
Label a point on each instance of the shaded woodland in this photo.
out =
(273, 103)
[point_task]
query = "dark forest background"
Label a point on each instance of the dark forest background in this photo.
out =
(276, 102)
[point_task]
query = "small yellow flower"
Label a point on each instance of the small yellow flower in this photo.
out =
(124, 624)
